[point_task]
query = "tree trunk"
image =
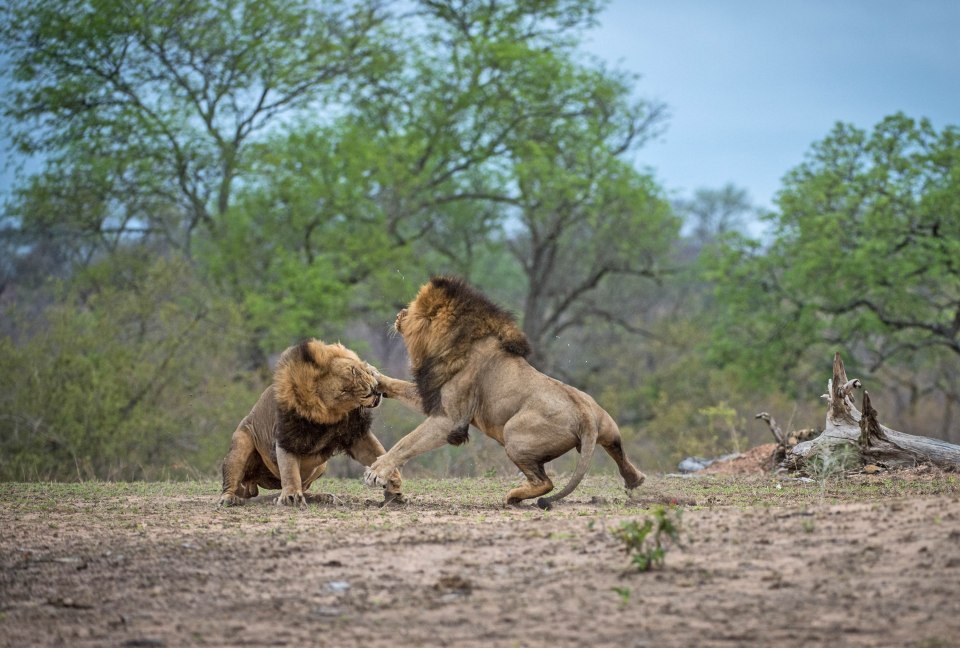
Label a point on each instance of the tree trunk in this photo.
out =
(875, 444)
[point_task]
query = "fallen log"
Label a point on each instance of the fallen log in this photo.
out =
(849, 428)
(785, 440)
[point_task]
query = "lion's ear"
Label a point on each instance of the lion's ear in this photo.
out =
(305, 353)
(314, 352)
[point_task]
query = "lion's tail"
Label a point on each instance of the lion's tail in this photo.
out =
(588, 442)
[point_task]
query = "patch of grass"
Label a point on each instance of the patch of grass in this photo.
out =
(480, 497)
(646, 542)
(623, 593)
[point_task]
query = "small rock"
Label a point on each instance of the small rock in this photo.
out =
(454, 584)
(338, 587)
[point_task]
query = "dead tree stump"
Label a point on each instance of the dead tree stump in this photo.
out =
(847, 427)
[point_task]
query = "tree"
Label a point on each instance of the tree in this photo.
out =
(586, 216)
(155, 104)
(132, 373)
(864, 257)
(713, 213)
(491, 124)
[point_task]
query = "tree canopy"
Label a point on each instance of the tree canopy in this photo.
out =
(220, 179)
(862, 258)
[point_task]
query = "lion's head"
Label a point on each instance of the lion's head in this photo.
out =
(442, 323)
(323, 382)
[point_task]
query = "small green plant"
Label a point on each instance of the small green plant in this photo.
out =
(624, 593)
(646, 542)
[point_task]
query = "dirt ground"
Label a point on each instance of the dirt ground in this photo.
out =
(868, 560)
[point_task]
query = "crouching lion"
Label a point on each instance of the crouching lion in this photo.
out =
(468, 361)
(317, 406)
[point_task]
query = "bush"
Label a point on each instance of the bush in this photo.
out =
(131, 373)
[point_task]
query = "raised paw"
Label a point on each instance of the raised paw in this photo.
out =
(372, 479)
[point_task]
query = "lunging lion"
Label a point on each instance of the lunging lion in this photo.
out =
(467, 356)
(317, 406)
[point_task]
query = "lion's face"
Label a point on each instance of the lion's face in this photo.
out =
(324, 382)
(351, 382)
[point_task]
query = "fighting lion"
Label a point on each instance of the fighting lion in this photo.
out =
(318, 406)
(468, 360)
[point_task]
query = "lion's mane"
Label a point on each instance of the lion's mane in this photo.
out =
(310, 418)
(445, 319)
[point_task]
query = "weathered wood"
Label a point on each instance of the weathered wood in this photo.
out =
(774, 428)
(876, 443)
(785, 440)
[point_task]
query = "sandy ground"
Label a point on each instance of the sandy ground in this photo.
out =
(869, 561)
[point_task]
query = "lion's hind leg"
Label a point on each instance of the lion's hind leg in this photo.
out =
(537, 481)
(235, 468)
(611, 441)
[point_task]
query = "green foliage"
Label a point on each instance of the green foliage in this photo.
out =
(863, 256)
(132, 373)
(646, 543)
(158, 102)
(623, 593)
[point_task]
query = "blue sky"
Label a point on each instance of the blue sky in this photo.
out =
(751, 84)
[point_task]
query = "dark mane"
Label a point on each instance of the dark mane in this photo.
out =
(481, 317)
(469, 316)
(303, 437)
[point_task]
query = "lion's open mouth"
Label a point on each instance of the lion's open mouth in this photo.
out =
(373, 400)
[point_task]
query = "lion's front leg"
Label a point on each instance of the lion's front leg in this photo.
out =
(427, 436)
(367, 449)
(401, 390)
(291, 488)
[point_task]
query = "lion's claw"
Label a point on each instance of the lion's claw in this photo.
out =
(292, 499)
(396, 499)
(372, 479)
(229, 499)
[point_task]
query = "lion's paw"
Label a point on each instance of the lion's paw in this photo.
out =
(229, 499)
(373, 371)
(372, 479)
(292, 499)
(393, 499)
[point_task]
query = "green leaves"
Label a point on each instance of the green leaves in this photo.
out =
(131, 374)
(864, 254)
(647, 542)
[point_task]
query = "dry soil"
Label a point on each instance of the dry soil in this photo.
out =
(865, 560)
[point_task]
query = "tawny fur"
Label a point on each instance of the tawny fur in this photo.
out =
(467, 357)
(317, 407)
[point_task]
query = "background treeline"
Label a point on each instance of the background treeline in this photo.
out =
(218, 179)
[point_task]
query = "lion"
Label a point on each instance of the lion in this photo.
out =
(468, 360)
(317, 406)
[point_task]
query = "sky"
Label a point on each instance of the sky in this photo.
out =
(750, 85)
